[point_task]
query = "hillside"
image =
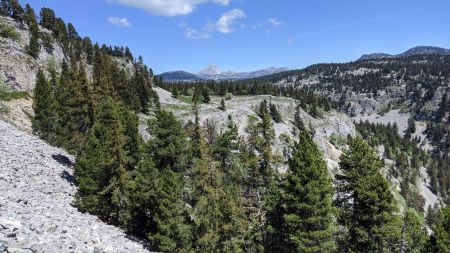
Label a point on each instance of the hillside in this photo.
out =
(37, 185)
(415, 83)
(420, 50)
(179, 76)
(98, 154)
(18, 68)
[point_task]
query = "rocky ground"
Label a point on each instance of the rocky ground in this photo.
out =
(37, 188)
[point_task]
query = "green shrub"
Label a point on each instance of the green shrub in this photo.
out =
(9, 32)
(338, 140)
(47, 41)
(228, 96)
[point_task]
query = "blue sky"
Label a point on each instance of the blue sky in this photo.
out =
(247, 35)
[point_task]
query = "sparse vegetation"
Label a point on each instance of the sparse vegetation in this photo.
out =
(8, 31)
(338, 140)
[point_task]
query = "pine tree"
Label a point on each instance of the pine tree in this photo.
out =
(100, 168)
(168, 145)
(205, 95)
(414, 235)
(30, 18)
(77, 109)
(440, 239)
(225, 147)
(133, 140)
(173, 231)
(307, 201)
(366, 204)
(195, 133)
(254, 189)
(267, 134)
(17, 10)
(45, 118)
(218, 212)
(276, 116)
(222, 105)
(261, 184)
(175, 92)
(33, 48)
(219, 217)
(62, 95)
(48, 18)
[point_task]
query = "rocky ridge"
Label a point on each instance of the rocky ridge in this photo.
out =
(240, 108)
(37, 189)
(420, 50)
(18, 69)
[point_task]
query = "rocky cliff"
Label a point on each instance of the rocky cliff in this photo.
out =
(17, 68)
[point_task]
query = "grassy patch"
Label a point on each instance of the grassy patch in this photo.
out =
(186, 99)
(7, 95)
(176, 107)
(384, 110)
(9, 32)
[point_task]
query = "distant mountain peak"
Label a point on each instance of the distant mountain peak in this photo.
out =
(420, 50)
(210, 70)
(374, 56)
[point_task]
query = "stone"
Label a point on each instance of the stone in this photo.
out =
(36, 214)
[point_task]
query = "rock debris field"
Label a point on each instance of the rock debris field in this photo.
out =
(36, 191)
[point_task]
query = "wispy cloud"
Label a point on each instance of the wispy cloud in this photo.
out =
(223, 25)
(273, 22)
(267, 25)
(197, 34)
(225, 22)
(119, 22)
(169, 8)
(222, 2)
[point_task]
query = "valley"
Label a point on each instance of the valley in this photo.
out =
(100, 154)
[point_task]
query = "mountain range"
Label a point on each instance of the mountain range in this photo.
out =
(420, 50)
(212, 72)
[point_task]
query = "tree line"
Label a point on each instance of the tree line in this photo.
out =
(73, 45)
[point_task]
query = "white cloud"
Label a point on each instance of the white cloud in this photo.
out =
(225, 22)
(119, 22)
(223, 25)
(169, 8)
(222, 2)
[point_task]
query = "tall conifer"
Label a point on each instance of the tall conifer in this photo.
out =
(366, 204)
(307, 200)
(45, 106)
